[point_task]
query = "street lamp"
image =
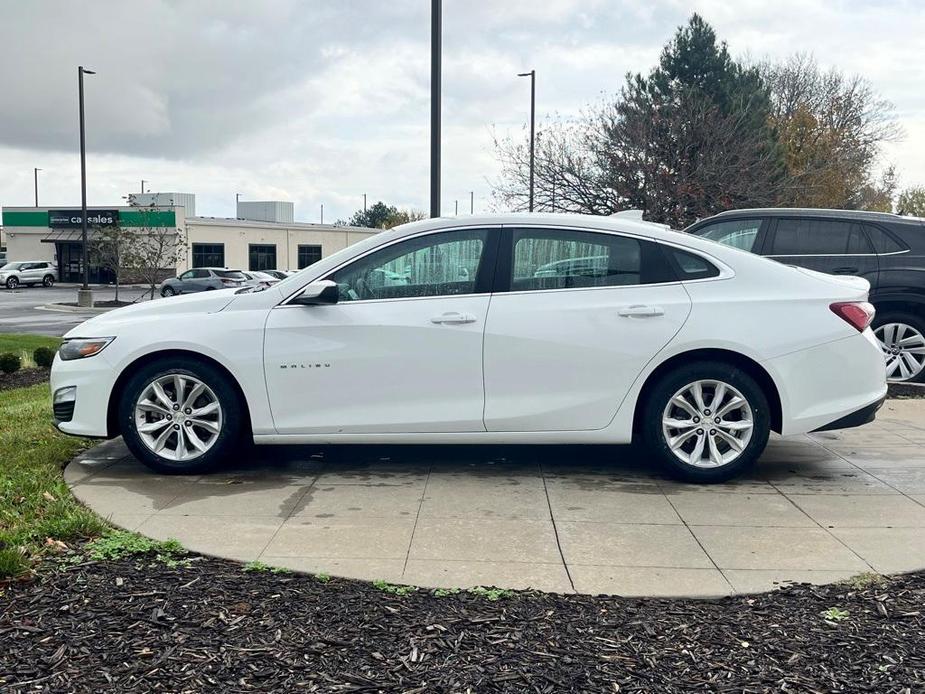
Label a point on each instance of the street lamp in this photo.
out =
(436, 11)
(35, 172)
(532, 76)
(84, 295)
(143, 181)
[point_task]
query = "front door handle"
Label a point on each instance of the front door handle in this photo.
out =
(453, 318)
(845, 271)
(641, 311)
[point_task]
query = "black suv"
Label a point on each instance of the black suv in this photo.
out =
(885, 249)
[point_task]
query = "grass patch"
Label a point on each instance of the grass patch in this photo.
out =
(393, 589)
(35, 503)
(491, 593)
(259, 567)
(25, 345)
(864, 581)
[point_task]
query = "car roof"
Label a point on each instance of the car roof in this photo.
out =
(857, 215)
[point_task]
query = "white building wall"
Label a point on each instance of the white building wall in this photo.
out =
(237, 236)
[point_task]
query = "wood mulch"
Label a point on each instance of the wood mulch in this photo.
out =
(905, 390)
(138, 625)
(23, 378)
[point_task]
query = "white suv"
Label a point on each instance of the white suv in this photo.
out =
(28, 272)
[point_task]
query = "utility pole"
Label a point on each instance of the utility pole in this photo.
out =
(472, 202)
(532, 76)
(322, 213)
(456, 208)
(364, 203)
(237, 200)
(143, 186)
(436, 30)
(84, 295)
(35, 172)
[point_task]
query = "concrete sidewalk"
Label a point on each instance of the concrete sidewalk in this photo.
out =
(593, 520)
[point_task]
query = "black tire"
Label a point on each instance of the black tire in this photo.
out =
(671, 383)
(48, 281)
(233, 427)
(910, 319)
(167, 291)
(12, 282)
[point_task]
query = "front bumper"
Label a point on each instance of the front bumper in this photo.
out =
(93, 379)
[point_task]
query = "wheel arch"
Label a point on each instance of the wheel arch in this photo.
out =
(115, 395)
(747, 364)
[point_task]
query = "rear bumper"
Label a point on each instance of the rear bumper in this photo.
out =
(828, 383)
(865, 415)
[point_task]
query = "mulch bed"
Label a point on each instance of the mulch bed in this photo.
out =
(99, 304)
(136, 625)
(905, 390)
(23, 378)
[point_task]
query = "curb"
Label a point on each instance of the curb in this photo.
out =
(61, 308)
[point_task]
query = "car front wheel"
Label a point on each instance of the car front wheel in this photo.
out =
(167, 291)
(902, 338)
(706, 422)
(180, 416)
(48, 281)
(12, 282)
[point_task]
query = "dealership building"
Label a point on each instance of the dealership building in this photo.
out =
(262, 237)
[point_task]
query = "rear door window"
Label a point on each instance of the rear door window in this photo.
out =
(796, 237)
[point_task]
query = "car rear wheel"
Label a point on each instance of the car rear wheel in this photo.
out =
(48, 281)
(902, 338)
(180, 416)
(12, 282)
(167, 291)
(706, 422)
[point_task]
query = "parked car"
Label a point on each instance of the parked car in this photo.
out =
(202, 279)
(29, 273)
(279, 274)
(255, 278)
(697, 349)
(885, 249)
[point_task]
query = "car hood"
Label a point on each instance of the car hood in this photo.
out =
(107, 324)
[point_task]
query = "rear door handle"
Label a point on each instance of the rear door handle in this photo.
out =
(845, 271)
(638, 310)
(453, 318)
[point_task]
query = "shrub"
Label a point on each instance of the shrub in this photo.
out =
(43, 357)
(10, 362)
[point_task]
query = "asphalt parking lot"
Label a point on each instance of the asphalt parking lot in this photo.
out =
(21, 310)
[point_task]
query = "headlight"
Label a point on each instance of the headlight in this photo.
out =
(81, 348)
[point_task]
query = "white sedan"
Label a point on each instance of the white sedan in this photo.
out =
(502, 329)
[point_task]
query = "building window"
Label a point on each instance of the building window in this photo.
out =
(309, 255)
(261, 257)
(208, 255)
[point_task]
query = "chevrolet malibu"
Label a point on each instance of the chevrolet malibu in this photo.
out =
(538, 328)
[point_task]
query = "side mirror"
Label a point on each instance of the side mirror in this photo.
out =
(318, 294)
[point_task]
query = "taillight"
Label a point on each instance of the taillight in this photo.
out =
(858, 313)
(230, 283)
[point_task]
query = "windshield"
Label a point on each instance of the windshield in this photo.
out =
(231, 274)
(10, 266)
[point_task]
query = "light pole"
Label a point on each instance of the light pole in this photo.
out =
(532, 76)
(237, 200)
(35, 172)
(472, 202)
(143, 186)
(84, 295)
(456, 208)
(436, 11)
(322, 213)
(364, 203)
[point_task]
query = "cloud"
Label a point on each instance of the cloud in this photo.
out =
(318, 101)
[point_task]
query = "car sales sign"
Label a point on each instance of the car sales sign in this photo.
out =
(71, 219)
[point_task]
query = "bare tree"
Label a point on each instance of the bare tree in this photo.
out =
(831, 127)
(155, 249)
(112, 249)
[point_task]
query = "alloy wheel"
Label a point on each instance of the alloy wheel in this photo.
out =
(707, 424)
(12, 283)
(904, 350)
(178, 417)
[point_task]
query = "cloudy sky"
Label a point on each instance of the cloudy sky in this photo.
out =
(320, 101)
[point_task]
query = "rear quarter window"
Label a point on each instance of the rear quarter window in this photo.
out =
(883, 242)
(690, 266)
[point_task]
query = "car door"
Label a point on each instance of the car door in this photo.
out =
(28, 273)
(400, 352)
(185, 282)
(833, 246)
(566, 340)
